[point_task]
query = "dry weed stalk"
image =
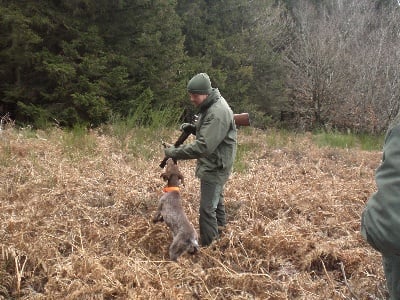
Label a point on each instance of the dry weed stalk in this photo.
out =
(6, 122)
(19, 270)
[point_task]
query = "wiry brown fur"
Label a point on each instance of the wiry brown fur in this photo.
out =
(170, 211)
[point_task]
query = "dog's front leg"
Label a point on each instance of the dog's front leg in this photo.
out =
(158, 216)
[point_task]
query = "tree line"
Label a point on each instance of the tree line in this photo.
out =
(301, 64)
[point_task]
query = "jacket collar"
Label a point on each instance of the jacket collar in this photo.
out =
(210, 100)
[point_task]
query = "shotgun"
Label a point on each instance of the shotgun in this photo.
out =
(242, 119)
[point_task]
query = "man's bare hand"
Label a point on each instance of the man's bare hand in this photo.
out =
(166, 145)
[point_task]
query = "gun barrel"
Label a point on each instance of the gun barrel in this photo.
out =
(242, 119)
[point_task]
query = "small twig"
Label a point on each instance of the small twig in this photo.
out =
(161, 282)
(63, 240)
(153, 261)
(326, 273)
(234, 273)
(345, 281)
(230, 271)
(80, 236)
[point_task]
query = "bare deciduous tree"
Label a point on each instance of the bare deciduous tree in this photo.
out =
(344, 65)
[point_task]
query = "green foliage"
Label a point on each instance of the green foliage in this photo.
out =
(80, 62)
(144, 114)
(335, 139)
(18, 42)
(279, 138)
(243, 149)
(349, 140)
(93, 106)
(38, 114)
(5, 154)
(140, 139)
(77, 62)
(371, 142)
(237, 52)
(165, 116)
(78, 142)
(120, 128)
(143, 118)
(140, 109)
(275, 139)
(258, 118)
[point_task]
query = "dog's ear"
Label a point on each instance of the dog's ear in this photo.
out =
(180, 176)
(164, 176)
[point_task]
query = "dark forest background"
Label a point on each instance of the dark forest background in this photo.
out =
(297, 63)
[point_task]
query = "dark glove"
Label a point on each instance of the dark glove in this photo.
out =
(188, 128)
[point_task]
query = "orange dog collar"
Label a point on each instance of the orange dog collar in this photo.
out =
(170, 189)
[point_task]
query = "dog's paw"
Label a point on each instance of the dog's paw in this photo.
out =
(157, 218)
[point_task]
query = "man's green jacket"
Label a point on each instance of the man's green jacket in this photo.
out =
(381, 217)
(215, 144)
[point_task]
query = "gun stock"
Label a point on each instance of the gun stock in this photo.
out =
(242, 119)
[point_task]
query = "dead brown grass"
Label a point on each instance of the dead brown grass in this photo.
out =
(76, 222)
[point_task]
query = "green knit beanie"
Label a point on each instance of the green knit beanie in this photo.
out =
(200, 84)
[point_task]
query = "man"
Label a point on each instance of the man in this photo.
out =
(214, 149)
(380, 222)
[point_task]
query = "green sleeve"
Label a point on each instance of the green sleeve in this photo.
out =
(383, 208)
(211, 133)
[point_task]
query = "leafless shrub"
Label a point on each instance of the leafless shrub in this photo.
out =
(6, 122)
(345, 65)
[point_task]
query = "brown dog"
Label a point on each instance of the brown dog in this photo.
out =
(171, 211)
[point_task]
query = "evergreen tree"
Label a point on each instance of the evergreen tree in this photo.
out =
(79, 61)
(18, 43)
(230, 41)
(148, 36)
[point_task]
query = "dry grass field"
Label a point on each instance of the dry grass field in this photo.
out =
(75, 220)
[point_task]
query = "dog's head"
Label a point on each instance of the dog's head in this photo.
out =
(170, 170)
